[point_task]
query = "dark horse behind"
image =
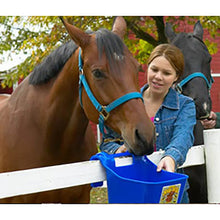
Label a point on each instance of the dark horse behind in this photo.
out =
(196, 82)
(45, 121)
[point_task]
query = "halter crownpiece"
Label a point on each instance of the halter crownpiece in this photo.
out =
(179, 86)
(103, 110)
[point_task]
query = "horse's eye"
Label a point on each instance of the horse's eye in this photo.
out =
(98, 73)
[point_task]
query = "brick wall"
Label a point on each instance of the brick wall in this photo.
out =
(215, 69)
(215, 94)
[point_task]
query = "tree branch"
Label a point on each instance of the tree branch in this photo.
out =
(140, 33)
(160, 29)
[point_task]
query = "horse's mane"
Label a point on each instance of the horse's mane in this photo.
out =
(51, 66)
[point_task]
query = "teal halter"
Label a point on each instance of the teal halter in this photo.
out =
(179, 86)
(103, 110)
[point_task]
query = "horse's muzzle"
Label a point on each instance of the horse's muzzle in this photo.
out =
(141, 146)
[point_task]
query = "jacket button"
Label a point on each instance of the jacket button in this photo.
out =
(157, 134)
(157, 119)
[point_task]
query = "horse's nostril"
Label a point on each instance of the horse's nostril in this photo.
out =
(137, 134)
(141, 140)
(146, 148)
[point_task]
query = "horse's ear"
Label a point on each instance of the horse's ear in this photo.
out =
(79, 37)
(170, 34)
(198, 30)
(119, 26)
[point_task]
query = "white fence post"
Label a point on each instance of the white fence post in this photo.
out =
(98, 134)
(212, 154)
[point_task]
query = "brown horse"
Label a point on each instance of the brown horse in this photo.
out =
(44, 123)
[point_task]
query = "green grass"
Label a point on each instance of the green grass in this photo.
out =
(99, 195)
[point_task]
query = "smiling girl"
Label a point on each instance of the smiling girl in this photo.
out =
(173, 114)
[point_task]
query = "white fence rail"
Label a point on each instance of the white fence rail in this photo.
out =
(62, 176)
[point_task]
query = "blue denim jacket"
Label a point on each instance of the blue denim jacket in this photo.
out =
(174, 123)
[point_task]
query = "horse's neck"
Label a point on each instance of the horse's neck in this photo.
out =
(198, 134)
(51, 110)
(65, 116)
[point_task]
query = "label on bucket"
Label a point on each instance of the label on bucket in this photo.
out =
(170, 194)
(123, 161)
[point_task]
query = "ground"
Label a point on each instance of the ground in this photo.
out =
(99, 195)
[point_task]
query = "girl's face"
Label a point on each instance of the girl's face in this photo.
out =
(161, 75)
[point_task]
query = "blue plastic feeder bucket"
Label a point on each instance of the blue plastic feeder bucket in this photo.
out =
(138, 181)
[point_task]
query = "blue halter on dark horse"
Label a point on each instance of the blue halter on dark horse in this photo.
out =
(196, 83)
(180, 85)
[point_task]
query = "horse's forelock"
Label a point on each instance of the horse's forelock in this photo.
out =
(110, 44)
(183, 39)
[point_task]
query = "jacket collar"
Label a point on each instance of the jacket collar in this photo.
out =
(171, 100)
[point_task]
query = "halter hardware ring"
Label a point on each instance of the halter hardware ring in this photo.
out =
(104, 113)
(81, 72)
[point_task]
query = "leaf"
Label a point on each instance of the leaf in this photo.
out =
(38, 36)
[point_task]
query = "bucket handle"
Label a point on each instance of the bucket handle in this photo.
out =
(104, 157)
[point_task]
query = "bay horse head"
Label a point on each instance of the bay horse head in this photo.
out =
(109, 92)
(197, 80)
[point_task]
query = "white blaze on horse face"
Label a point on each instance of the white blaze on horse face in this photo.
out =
(205, 106)
(118, 57)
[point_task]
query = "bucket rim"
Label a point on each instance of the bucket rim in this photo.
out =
(182, 177)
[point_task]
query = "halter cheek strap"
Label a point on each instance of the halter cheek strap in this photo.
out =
(179, 86)
(103, 110)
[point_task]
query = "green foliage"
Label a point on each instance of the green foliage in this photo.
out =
(143, 50)
(37, 36)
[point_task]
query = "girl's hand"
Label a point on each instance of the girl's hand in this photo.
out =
(167, 163)
(210, 122)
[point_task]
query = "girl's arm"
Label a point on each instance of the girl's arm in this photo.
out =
(183, 137)
(111, 142)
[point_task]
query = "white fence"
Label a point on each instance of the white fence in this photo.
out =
(62, 176)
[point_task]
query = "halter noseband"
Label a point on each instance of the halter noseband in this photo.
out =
(179, 86)
(103, 110)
